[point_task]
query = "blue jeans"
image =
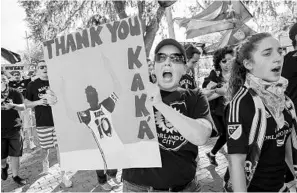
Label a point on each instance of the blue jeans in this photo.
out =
(193, 186)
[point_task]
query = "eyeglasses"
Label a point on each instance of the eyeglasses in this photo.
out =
(175, 58)
(42, 67)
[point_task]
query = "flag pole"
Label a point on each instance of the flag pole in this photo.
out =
(28, 47)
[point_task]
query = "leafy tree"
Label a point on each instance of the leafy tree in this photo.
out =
(48, 19)
(32, 55)
(268, 16)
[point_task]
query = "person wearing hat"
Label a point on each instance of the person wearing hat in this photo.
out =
(290, 67)
(183, 122)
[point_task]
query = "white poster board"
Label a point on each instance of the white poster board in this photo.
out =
(103, 117)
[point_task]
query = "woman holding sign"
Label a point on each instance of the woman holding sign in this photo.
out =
(183, 122)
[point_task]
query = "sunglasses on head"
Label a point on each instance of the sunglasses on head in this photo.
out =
(42, 67)
(176, 58)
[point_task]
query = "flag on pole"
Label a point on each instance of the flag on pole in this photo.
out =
(232, 37)
(219, 16)
(10, 56)
(201, 27)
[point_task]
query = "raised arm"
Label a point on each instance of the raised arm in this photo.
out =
(29, 103)
(197, 131)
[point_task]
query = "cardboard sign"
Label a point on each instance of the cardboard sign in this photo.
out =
(103, 117)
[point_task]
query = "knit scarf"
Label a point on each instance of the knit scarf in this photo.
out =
(272, 95)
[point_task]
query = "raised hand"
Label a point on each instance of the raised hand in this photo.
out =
(7, 105)
(51, 97)
(41, 102)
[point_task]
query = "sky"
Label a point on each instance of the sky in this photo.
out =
(13, 26)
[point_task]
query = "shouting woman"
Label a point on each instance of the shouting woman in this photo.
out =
(260, 118)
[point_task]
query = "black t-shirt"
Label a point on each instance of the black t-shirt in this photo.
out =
(10, 119)
(269, 174)
(290, 72)
(43, 114)
(187, 81)
(177, 154)
(217, 105)
(20, 85)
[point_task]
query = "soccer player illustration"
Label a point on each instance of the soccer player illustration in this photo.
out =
(98, 119)
(98, 116)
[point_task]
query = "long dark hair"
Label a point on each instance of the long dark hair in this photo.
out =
(243, 52)
(219, 55)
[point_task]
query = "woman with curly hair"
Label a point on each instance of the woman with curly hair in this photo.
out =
(260, 118)
(216, 82)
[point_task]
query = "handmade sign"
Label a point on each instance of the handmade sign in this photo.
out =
(103, 117)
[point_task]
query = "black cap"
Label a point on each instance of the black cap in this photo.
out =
(293, 31)
(173, 42)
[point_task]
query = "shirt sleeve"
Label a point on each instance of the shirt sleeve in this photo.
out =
(84, 117)
(18, 97)
(238, 118)
(109, 103)
(199, 108)
(29, 92)
(211, 77)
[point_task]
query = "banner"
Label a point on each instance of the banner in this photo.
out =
(103, 117)
(10, 68)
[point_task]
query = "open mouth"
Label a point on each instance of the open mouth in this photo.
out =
(167, 75)
(276, 69)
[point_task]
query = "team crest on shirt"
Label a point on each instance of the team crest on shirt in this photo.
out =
(234, 131)
(169, 137)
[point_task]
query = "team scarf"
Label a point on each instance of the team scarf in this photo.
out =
(272, 95)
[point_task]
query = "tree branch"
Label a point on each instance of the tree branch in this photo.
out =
(152, 29)
(120, 8)
(140, 5)
(70, 17)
